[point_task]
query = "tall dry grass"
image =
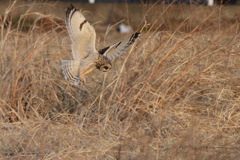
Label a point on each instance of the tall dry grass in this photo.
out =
(174, 95)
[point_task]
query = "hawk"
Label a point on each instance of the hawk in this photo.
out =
(85, 56)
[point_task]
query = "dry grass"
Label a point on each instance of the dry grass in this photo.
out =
(174, 95)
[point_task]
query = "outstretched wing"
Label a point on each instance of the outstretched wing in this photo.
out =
(118, 48)
(82, 34)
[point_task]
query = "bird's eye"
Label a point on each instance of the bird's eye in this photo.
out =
(106, 67)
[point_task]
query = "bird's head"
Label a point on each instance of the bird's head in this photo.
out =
(103, 64)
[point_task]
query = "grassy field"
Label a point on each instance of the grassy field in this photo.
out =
(175, 94)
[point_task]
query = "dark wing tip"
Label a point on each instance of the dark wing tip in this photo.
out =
(136, 35)
(133, 38)
(102, 51)
(69, 9)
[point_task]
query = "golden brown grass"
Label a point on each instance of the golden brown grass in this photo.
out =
(174, 95)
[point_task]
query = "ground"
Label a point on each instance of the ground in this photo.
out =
(174, 94)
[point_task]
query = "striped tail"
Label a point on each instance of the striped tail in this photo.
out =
(71, 71)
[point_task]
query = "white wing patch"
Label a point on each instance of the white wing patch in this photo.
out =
(71, 71)
(82, 34)
(118, 48)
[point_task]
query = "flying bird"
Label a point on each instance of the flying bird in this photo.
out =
(85, 56)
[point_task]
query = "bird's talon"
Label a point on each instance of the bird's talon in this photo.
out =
(82, 82)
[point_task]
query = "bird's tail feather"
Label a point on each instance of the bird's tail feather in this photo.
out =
(71, 71)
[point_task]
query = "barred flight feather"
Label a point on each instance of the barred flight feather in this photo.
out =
(71, 71)
(118, 48)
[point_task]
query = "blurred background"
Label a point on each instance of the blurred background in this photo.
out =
(128, 12)
(174, 94)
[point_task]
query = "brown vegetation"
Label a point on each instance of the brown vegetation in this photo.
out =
(174, 95)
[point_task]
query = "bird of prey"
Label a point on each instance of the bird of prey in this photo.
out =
(85, 56)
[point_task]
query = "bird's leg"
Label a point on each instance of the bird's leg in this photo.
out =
(85, 70)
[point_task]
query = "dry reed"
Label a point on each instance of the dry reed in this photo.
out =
(174, 95)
